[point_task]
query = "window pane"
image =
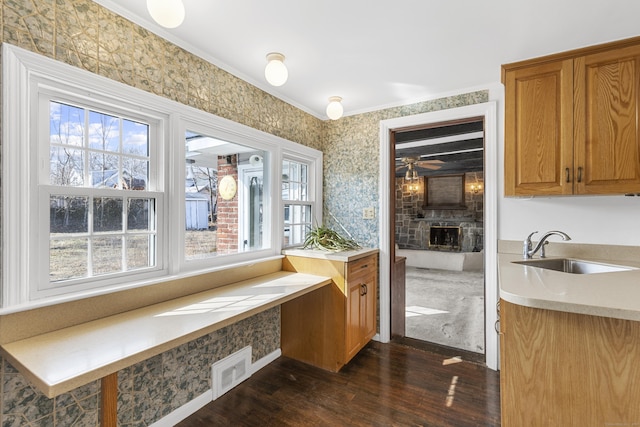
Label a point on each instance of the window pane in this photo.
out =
(107, 254)
(140, 214)
(66, 124)
(104, 132)
(66, 167)
(297, 234)
(135, 138)
(300, 214)
(223, 197)
(295, 181)
(68, 259)
(135, 174)
(294, 191)
(107, 214)
(139, 249)
(68, 214)
(104, 170)
(297, 224)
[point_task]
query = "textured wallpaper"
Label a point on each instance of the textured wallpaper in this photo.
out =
(88, 36)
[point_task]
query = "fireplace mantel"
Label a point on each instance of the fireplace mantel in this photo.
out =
(450, 220)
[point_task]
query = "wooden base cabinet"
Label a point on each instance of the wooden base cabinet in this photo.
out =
(564, 369)
(326, 328)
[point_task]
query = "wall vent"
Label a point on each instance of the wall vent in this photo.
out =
(229, 372)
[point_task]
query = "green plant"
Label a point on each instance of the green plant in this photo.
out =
(325, 238)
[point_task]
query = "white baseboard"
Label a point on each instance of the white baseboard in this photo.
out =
(185, 410)
(194, 405)
(255, 367)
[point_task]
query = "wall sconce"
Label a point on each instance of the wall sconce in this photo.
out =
(475, 188)
(276, 72)
(334, 109)
(168, 13)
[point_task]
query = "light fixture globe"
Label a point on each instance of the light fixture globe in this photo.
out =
(276, 72)
(334, 109)
(168, 13)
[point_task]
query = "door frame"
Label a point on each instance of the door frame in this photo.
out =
(488, 110)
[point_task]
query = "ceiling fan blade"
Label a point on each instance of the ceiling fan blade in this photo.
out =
(430, 164)
(433, 162)
(431, 167)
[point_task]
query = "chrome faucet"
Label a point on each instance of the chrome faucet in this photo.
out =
(528, 252)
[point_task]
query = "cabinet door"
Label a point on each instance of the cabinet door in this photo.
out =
(539, 129)
(369, 317)
(607, 143)
(354, 337)
(567, 369)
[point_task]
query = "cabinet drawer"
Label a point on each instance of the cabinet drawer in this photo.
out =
(361, 267)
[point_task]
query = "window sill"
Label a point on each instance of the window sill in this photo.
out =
(79, 296)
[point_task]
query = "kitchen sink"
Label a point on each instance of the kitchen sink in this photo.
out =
(573, 266)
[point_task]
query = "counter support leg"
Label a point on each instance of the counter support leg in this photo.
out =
(109, 401)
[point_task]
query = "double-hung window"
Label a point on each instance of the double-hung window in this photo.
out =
(298, 201)
(100, 184)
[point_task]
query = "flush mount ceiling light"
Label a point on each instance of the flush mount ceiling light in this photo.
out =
(334, 109)
(168, 13)
(276, 72)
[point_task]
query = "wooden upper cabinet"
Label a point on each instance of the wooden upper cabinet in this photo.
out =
(539, 129)
(571, 122)
(606, 87)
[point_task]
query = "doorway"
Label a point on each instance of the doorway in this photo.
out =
(487, 110)
(438, 223)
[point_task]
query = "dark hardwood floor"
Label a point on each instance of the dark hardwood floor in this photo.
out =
(384, 385)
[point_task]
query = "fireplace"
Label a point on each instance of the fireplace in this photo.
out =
(444, 238)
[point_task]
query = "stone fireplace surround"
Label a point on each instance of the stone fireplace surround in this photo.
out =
(414, 223)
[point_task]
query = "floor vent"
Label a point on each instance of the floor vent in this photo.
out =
(229, 372)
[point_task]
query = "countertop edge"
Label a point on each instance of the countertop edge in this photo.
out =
(344, 256)
(581, 294)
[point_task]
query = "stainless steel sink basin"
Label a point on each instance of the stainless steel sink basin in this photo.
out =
(573, 266)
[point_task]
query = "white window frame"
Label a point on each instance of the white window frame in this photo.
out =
(201, 122)
(314, 190)
(24, 74)
(48, 91)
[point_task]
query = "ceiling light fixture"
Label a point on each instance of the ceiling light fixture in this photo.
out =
(168, 13)
(334, 109)
(276, 72)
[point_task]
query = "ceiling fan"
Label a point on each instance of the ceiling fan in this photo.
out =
(414, 161)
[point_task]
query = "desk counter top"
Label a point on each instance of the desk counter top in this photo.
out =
(344, 256)
(62, 360)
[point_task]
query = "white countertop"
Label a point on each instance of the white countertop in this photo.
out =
(59, 361)
(344, 256)
(611, 294)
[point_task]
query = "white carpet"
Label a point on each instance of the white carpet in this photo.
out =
(446, 307)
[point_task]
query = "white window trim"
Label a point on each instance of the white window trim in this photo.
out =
(23, 68)
(201, 122)
(315, 187)
(40, 221)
